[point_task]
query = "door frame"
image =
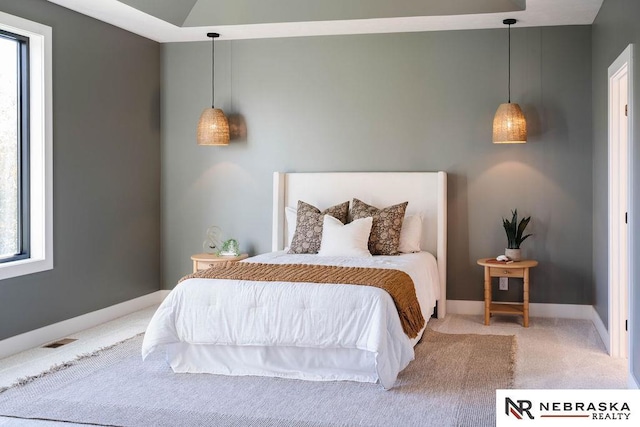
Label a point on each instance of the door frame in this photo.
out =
(619, 257)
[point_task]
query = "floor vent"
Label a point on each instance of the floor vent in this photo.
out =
(60, 343)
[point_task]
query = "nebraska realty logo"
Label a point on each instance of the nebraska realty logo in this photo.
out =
(567, 407)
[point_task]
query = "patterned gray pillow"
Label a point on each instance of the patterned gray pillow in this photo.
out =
(308, 234)
(387, 224)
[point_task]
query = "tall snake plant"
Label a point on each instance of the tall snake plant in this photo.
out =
(515, 230)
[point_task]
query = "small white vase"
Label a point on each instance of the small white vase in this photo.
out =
(513, 254)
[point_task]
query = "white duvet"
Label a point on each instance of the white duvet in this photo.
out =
(202, 313)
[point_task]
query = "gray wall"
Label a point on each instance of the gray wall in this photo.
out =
(106, 156)
(615, 27)
(392, 102)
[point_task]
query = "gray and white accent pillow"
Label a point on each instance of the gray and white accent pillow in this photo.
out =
(387, 225)
(308, 235)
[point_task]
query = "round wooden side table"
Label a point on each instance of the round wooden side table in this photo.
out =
(520, 269)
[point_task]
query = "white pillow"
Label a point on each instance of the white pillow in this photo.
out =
(291, 215)
(349, 240)
(411, 234)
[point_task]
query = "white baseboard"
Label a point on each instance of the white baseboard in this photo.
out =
(59, 330)
(602, 330)
(563, 311)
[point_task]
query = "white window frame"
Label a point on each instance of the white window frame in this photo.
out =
(41, 147)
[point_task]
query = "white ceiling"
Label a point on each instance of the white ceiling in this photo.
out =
(537, 13)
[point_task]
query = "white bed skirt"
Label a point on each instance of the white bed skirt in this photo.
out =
(329, 364)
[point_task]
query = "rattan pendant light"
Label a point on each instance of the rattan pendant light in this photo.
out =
(509, 124)
(213, 127)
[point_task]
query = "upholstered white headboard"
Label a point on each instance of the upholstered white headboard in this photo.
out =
(425, 191)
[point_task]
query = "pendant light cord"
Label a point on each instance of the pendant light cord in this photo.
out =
(213, 70)
(213, 65)
(509, 56)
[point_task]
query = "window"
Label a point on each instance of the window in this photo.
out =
(26, 187)
(14, 147)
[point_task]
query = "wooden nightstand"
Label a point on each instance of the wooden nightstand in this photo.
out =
(205, 261)
(493, 268)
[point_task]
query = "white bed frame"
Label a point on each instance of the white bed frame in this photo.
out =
(425, 191)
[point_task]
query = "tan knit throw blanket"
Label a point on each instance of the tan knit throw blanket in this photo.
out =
(397, 283)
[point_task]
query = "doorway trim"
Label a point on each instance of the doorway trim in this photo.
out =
(619, 202)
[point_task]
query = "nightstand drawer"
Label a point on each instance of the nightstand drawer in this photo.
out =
(205, 265)
(506, 272)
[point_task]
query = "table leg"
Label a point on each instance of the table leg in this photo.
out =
(525, 316)
(487, 295)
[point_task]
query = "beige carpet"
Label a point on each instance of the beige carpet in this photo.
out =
(452, 382)
(552, 353)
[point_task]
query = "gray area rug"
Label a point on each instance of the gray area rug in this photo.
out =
(451, 382)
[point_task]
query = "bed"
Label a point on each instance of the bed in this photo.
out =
(311, 331)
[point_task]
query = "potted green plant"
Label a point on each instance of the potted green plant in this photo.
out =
(230, 248)
(515, 235)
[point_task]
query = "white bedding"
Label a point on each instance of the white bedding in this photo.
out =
(243, 327)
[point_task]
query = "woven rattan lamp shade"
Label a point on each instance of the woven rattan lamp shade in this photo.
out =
(509, 125)
(213, 128)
